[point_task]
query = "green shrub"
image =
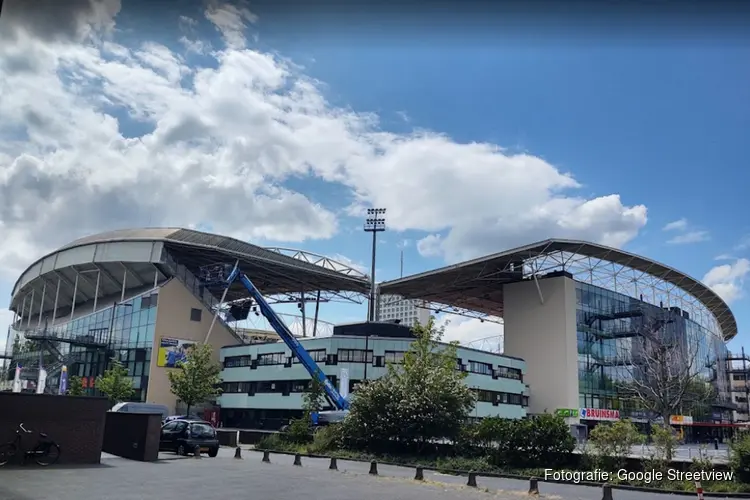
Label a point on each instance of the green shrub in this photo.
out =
(612, 443)
(740, 457)
(326, 439)
(298, 432)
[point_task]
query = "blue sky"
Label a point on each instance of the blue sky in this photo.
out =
(661, 124)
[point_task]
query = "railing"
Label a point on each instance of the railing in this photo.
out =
(195, 286)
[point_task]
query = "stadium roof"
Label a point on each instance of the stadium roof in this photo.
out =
(140, 257)
(476, 284)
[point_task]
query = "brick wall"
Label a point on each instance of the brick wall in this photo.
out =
(133, 435)
(75, 423)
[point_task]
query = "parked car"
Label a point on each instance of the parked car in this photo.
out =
(182, 436)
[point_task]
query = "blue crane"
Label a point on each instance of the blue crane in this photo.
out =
(225, 275)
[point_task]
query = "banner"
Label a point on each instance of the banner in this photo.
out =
(344, 383)
(17, 379)
(41, 381)
(173, 351)
(63, 380)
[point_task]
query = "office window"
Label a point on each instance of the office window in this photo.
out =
(738, 376)
(274, 358)
(484, 396)
(196, 314)
(395, 357)
(354, 356)
(318, 355)
(512, 373)
(480, 368)
(237, 361)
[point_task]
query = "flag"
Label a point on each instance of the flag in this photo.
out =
(17, 379)
(63, 380)
(41, 381)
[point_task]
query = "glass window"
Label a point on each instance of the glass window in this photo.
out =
(354, 356)
(195, 314)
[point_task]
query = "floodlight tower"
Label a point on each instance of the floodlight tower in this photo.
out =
(375, 223)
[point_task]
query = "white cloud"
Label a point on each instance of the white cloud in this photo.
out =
(214, 146)
(470, 330)
(728, 280)
(686, 234)
(689, 237)
(678, 225)
(343, 259)
(430, 245)
(724, 256)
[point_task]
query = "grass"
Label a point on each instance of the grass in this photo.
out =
(322, 444)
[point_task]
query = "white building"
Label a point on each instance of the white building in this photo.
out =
(391, 307)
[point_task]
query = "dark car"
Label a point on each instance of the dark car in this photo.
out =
(182, 436)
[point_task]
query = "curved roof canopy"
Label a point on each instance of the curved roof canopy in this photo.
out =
(103, 264)
(477, 284)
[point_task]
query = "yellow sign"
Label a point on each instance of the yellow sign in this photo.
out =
(681, 420)
(173, 351)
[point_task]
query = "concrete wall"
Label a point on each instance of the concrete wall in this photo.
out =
(544, 335)
(173, 320)
(76, 424)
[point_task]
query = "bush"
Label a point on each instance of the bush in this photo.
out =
(740, 457)
(298, 432)
(326, 439)
(544, 441)
(612, 443)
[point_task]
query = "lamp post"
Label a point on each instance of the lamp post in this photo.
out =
(375, 223)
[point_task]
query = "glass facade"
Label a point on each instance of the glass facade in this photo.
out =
(610, 334)
(128, 336)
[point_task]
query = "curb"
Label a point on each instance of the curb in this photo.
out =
(500, 475)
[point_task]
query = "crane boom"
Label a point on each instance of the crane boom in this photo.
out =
(218, 273)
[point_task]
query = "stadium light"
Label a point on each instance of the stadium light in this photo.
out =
(375, 223)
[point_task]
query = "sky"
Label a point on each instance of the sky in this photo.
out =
(279, 124)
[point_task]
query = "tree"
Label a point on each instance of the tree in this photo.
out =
(75, 386)
(196, 379)
(115, 383)
(666, 374)
(315, 398)
(422, 400)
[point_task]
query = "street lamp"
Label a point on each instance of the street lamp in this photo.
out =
(375, 223)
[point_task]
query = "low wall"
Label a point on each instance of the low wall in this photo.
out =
(133, 435)
(75, 423)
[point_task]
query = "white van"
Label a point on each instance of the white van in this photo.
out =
(141, 408)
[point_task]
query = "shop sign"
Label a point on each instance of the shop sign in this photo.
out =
(567, 412)
(599, 414)
(681, 420)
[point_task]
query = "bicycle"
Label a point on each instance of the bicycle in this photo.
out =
(46, 452)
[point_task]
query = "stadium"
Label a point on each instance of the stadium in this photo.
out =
(578, 314)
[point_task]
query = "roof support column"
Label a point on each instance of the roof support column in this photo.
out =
(23, 309)
(317, 309)
(96, 293)
(31, 308)
(538, 288)
(57, 296)
(302, 310)
(41, 304)
(124, 283)
(75, 294)
(156, 277)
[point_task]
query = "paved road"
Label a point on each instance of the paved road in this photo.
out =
(176, 478)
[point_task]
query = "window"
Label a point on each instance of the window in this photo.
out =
(237, 361)
(318, 355)
(738, 376)
(506, 372)
(274, 358)
(236, 387)
(395, 357)
(195, 314)
(480, 368)
(354, 356)
(484, 396)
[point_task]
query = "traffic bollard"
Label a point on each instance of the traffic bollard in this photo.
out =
(533, 486)
(238, 453)
(297, 460)
(374, 468)
(197, 452)
(606, 491)
(472, 481)
(419, 476)
(334, 465)
(266, 456)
